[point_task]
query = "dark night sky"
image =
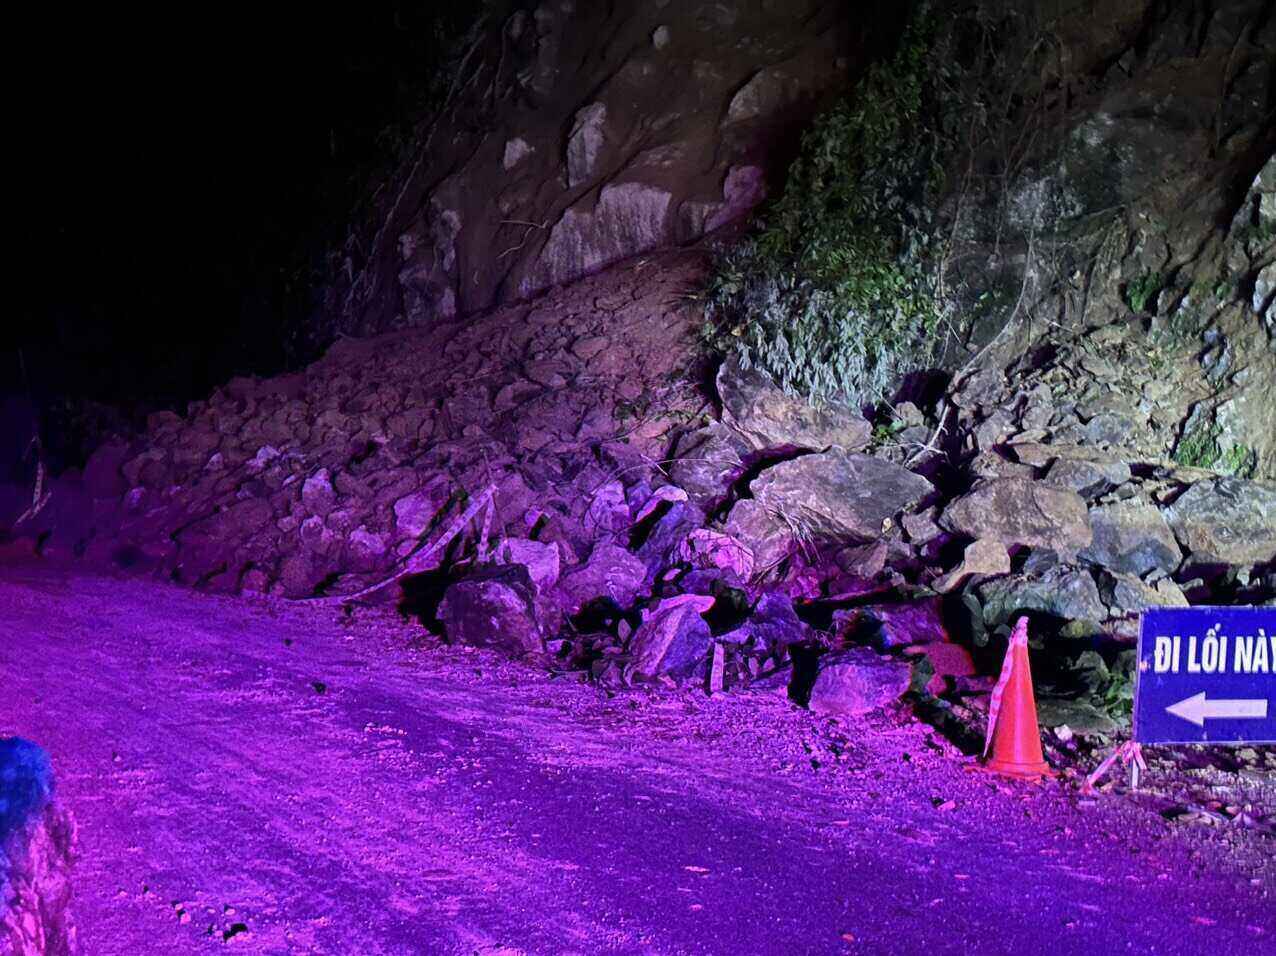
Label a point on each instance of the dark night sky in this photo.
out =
(176, 168)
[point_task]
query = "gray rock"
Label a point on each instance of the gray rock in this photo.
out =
(1226, 520)
(1109, 429)
(1087, 478)
(673, 638)
(365, 549)
(1079, 716)
(838, 494)
(1129, 594)
(921, 528)
(766, 92)
(585, 143)
(743, 189)
(774, 624)
(1132, 537)
(1061, 592)
(516, 150)
(766, 536)
(857, 681)
(627, 218)
(493, 607)
(611, 572)
(664, 544)
(767, 418)
(37, 850)
(903, 625)
(1016, 511)
(982, 556)
(414, 513)
(865, 561)
(542, 560)
(707, 461)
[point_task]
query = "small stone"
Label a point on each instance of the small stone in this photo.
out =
(317, 495)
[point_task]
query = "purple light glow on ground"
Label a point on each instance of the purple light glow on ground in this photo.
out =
(448, 802)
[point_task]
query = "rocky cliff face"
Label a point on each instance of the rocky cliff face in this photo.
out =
(1133, 194)
(577, 134)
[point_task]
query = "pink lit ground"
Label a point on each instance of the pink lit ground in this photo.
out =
(436, 801)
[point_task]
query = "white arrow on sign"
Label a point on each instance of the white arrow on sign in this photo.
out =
(1197, 709)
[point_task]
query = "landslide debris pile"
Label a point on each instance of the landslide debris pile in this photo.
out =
(646, 526)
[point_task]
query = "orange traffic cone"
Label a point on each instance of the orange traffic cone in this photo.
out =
(1013, 735)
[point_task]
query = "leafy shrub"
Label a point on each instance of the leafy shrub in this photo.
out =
(1200, 447)
(1139, 292)
(836, 296)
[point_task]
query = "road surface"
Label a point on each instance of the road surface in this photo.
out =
(275, 779)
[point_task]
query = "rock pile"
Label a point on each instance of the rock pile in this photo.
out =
(556, 484)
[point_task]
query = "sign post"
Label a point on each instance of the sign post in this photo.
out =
(1206, 675)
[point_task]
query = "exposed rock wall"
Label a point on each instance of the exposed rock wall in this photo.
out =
(578, 134)
(1134, 186)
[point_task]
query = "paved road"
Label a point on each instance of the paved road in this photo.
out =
(274, 779)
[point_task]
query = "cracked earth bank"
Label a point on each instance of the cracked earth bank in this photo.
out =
(273, 778)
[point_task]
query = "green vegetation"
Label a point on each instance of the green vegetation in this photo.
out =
(1239, 460)
(1199, 447)
(837, 296)
(1139, 292)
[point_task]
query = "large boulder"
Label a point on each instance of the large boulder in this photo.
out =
(37, 848)
(1132, 537)
(839, 495)
(1226, 520)
(767, 418)
(857, 681)
(493, 607)
(1065, 593)
(1022, 512)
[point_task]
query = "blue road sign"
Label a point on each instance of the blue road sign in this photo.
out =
(1207, 675)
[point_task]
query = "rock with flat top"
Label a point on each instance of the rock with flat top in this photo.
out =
(857, 681)
(1022, 512)
(839, 495)
(767, 418)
